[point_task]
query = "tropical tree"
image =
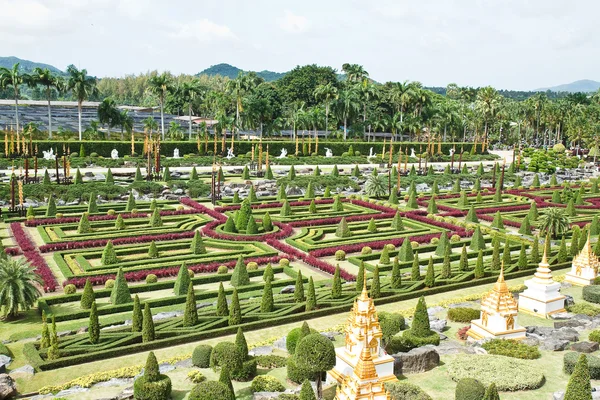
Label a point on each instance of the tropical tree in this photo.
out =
(19, 286)
(376, 186)
(150, 125)
(82, 86)
(553, 221)
(488, 102)
(13, 77)
(126, 122)
(44, 77)
(190, 92)
(108, 114)
(160, 85)
(326, 94)
(348, 104)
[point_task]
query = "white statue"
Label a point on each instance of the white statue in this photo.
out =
(176, 153)
(412, 152)
(49, 155)
(451, 152)
(371, 154)
(328, 153)
(283, 153)
(230, 154)
(114, 154)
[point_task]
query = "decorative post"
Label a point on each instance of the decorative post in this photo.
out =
(252, 148)
(296, 146)
(215, 142)
(223, 142)
(132, 143)
(21, 204)
(406, 162)
(494, 175)
(12, 192)
(213, 183)
(452, 159)
(383, 151)
(6, 144)
(460, 161)
(317, 145)
(391, 151)
(420, 152)
(57, 175)
(26, 170)
(66, 178)
(232, 141)
(35, 167)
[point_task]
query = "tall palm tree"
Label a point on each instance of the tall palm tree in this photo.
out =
(108, 114)
(488, 101)
(19, 286)
(126, 122)
(190, 91)
(326, 93)
(46, 78)
(400, 95)
(150, 125)
(368, 92)
(553, 221)
(13, 78)
(160, 85)
(82, 86)
(355, 73)
(348, 103)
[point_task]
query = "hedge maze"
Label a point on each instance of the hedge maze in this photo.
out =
(165, 273)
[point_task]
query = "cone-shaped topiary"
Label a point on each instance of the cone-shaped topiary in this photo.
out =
(246, 173)
(463, 200)
(45, 338)
(491, 393)
(327, 192)
(152, 385)
(440, 249)
(420, 326)
(225, 379)
(182, 281)
(556, 197)
(412, 201)
(397, 223)
(252, 195)
(190, 314)
(152, 250)
(267, 224)
(317, 171)
(148, 325)
(579, 386)
(385, 256)
(406, 252)
(292, 173)
(477, 240)
(446, 266)
(235, 311)
(166, 174)
(472, 215)
(432, 207)
(120, 292)
(311, 297)
(463, 263)
(299, 288)
(46, 180)
(479, 198)
(312, 207)
(78, 177)
(498, 223)
(252, 228)
(496, 263)
(335, 172)
(571, 212)
(430, 274)
(525, 228)
(268, 274)
(533, 212)
(336, 287)
(479, 271)
(506, 255)
(222, 308)
(522, 262)
(94, 325)
(266, 304)
(109, 256)
(269, 172)
(138, 175)
(337, 204)
(130, 203)
(456, 186)
(281, 193)
(229, 226)
(535, 251)
(396, 278)
(562, 255)
(307, 392)
(236, 198)
(84, 224)
(137, 317)
(240, 277)
(310, 191)
(343, 230)
(197, 246)
(87, 297)
(376, 283)
(477, 185)
(194, 174)
(155, 219)
(92, 205)
(415, 272)
(51, 208)
(286, 209)
(119, 223)
(574, 246)
(356, 171)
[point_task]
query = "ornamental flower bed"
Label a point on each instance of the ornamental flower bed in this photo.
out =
(203, 209)
(335, 220)
(284, 231)
(278, 205)
(33, 257)
(71, 220)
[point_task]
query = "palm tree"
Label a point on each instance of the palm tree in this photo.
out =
(553, 221)
(83, 86)
(126, 122)
(401, 94)
(160, 85)
(348, 103)
(487, 103)
(355, 73)
(368, 92)
(376, 186)
(19, 286)
(190, 91)
(326, 93)
(108, 114)
(238, 87)
(92, 132)
(13, 77)
(175, 132)
(46, 78)
(150, 125)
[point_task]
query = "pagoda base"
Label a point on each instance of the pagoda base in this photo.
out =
(345, 364)
(478, 332)
(578, 280)
(541, 307)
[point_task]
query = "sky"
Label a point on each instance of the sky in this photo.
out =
(508, 44)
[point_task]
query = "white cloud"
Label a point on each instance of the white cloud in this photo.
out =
(204, 30)
(293, 23)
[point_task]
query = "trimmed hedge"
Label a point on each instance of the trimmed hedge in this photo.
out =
(210, 390)
(570, 359)
(406, 391)
(463, 314)
(469, 389)
(591, 293)
(512, 348)
(201, 356)
(266, 383)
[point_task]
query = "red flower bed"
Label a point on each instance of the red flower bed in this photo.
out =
(33, 257)
(372, 206)
(309, 259)
(202, 209)
(70, 220)
(12, 251)
(335, 220)
(136, 276)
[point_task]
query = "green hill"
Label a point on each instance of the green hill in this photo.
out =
(26, 65)
(231, 72)
(584, 85)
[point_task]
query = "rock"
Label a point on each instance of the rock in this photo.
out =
(280, 344)
(179, 191)
(570, 323)
(184, 363)
(558, 395)
(71, 390)
(165, 367)
(288, 289)
(562, 315)
(554, 344)
(480, 350)
(126, 394)
(8, 388)
(438, 325)
(417, 360)
(457, 305)
(584, 347)
(451, 347)
(24, 370)
(5, 360)
(530, 341)
(266, 395)
(569, 334)
(83, 329)
(63, 333)
(583, 317)
(114, 382)
(330, 335)
(261, 351)
(568, 299)
(434, 310)
(167, 315)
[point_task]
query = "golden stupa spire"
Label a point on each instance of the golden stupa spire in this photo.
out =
(545, 256)
(365, 368)
(543, 274)
(586, 257)
(364, 294)
(500, 299)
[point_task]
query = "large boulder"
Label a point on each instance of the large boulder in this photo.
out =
(417, 360)
(8, 389)
(585, 347)
(554, 344)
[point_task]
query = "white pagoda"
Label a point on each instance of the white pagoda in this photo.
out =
(584, 268)
(499, 312)
(542, 296)
(363, 335)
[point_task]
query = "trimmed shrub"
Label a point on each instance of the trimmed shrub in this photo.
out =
(584, 308)
(147, 325)
(570, 360)
(88, 296)
(511, 348)
(591, 293)
(295, 335)
(271, 361)
(340, 255)
(109, 256)
(70, 289)
(405, 391)
(182, 281)
(201, 356)
(266, 383)
(226, 355)
(210, 390)
(152, 385)
(579, 386)
(151, 278)
(366, 250)
(296, 373)
(469, 389)
(109, 284)
(196, 376)
(463, 314)
(222, 270)
(252, 266)
(120, 292)
(594, 336)
(240, 277)
(391, 324)
(246, 372)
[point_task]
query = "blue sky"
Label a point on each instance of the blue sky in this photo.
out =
(512, 44)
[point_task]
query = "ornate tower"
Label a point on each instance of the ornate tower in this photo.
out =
(584, 268)
(499, 312)
(542, 296)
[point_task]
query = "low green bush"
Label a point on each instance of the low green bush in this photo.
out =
(210, 390)
(252, 266)
(270, 361)
(201, 356)
(340, 255)
(584, 308)
(509, 374)
(246, 372)
(366, 250)
(266, 383)
(109, 284)
(416, 341)
(512, 348)
(469, 389)
(70, 289)
(594, 336)
(463, 314)
(591, 293)
(570, 359)
(196, 376)
(158, 390)
(225, 354)
(406, 391)
(151, 278)
(292, 337)
(284, 262)
(222, 269)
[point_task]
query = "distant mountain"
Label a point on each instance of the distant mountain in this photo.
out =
(231, 72)
(26, 65)
(584, 85)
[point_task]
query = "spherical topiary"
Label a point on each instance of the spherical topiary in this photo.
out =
(469, 389)
(390, 247)
(294, 336)
(296, 373)
(454, 238)
(109, 284)
(191, 273)
(284, 262)
(266, 383)
(252, 266)
(222, 269)
(210, 390)
(414, 245)
(559, 148)
(225, 354)
(340, 255)
(434, 240)
(93, 154)
(70, 289)
(201, 356)
(366, 250)
(111, 212)
(151, 278)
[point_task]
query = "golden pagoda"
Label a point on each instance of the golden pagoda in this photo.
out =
(584, 268)
(363, 335)
(542, 296)
(499, 312)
